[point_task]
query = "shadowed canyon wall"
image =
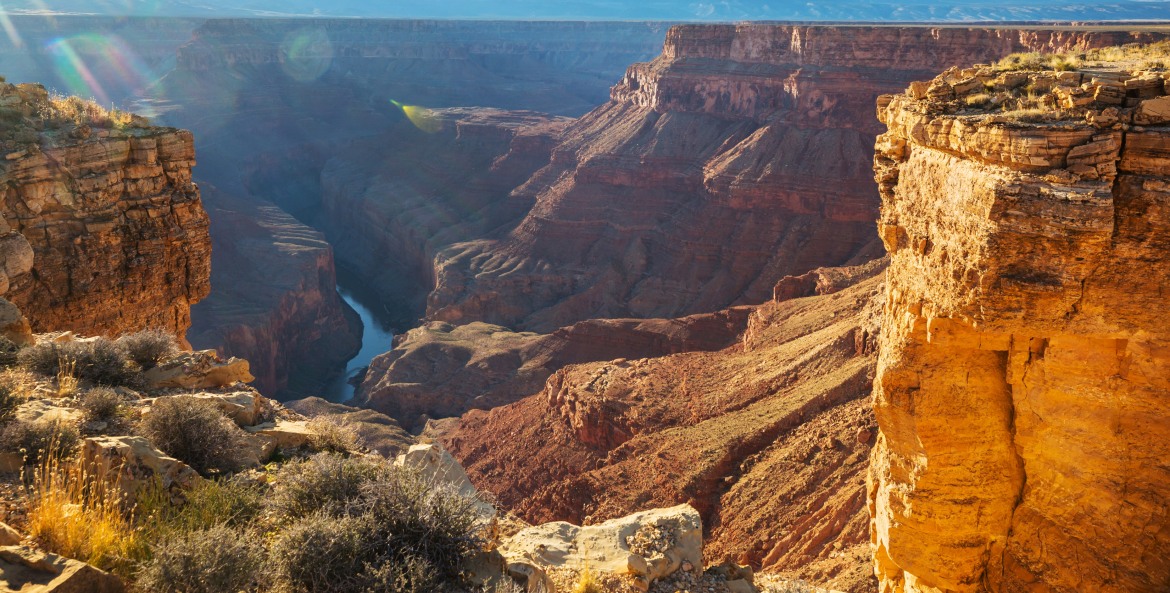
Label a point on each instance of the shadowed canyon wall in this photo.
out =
(737, 157)
(118, 235)
(1025, 351)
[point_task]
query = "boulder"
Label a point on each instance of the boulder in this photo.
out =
(267, 437)
(1153, 111)
(646, 546)
(198, 370)
(14, 326)
(438, 467)
(26, 570)
(9, 536)
(40, 410)
(135, 464)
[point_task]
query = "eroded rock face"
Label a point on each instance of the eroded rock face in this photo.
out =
(747, 435)
(118, 235)
(441, 370)
(739, 156)
(1025, 349)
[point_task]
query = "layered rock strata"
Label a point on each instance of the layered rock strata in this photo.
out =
(1025, 351)
(118, 235)
(748, 435)
(737, 157)
(440, 370)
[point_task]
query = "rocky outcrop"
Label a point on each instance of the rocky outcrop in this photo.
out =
(644, 546)
(134, 464)
(747, 435)
(197, 370)
(736, 158)
(1025, 350)
(118, 235)
(440, 370)
(381, 433)
(24, 569)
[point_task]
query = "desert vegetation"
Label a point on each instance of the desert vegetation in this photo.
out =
(321, 516)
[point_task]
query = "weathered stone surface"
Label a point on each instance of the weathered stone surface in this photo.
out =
(280, 434)
(14, 325)
(198, 370)
(9, 536)
(25, 570)
(440, 370)
(135, 464)
(1025, 357)
(118, 234)
(647, 546)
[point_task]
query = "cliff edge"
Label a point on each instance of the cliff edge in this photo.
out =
(1024, 362)
(104, 205)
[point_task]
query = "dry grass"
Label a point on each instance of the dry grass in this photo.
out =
(332, 435)
(1151, 56)
(75, 513)
(588, 583)
(79, 112)
(66, 377)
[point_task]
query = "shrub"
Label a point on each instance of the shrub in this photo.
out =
(97, 361)
(8, 352)
(101, 404)
(195, 432)
(76, 514)
(323, 482)
(218, 559)
(390, 529)
(35, 439)
(435, 522)
(587, 583)
(331, 435)
(9, 401)
(149, 347)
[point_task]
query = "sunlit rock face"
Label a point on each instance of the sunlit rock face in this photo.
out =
(112, 225)
(739, 156)
(1025, 351)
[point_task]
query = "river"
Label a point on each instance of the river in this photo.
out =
(377, 334)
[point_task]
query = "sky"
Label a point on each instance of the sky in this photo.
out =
(665, 10)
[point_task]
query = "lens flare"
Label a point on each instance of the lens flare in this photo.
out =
(422, 118)
(99, 66)
(306, 54)
(10, 29)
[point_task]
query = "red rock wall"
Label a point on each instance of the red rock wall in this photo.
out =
(739, 156)
(118, 232)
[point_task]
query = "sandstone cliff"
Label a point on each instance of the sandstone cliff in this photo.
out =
(737, 157)
(749, 435)
(1025, 350)
(118, 235)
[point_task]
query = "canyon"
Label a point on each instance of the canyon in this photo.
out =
(673, 293)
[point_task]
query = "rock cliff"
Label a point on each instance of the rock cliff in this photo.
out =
(109, 218)
(737, 157)
(1025, 350)
(748, 435)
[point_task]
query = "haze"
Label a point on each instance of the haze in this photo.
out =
(677, 10)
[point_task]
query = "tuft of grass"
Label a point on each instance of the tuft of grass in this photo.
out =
(978, 100)
(587, 583)
(66, 377)
(10, 400)
(331, 435)
(8, 351)
(211, 503)
(71, 109)
(75, 513)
